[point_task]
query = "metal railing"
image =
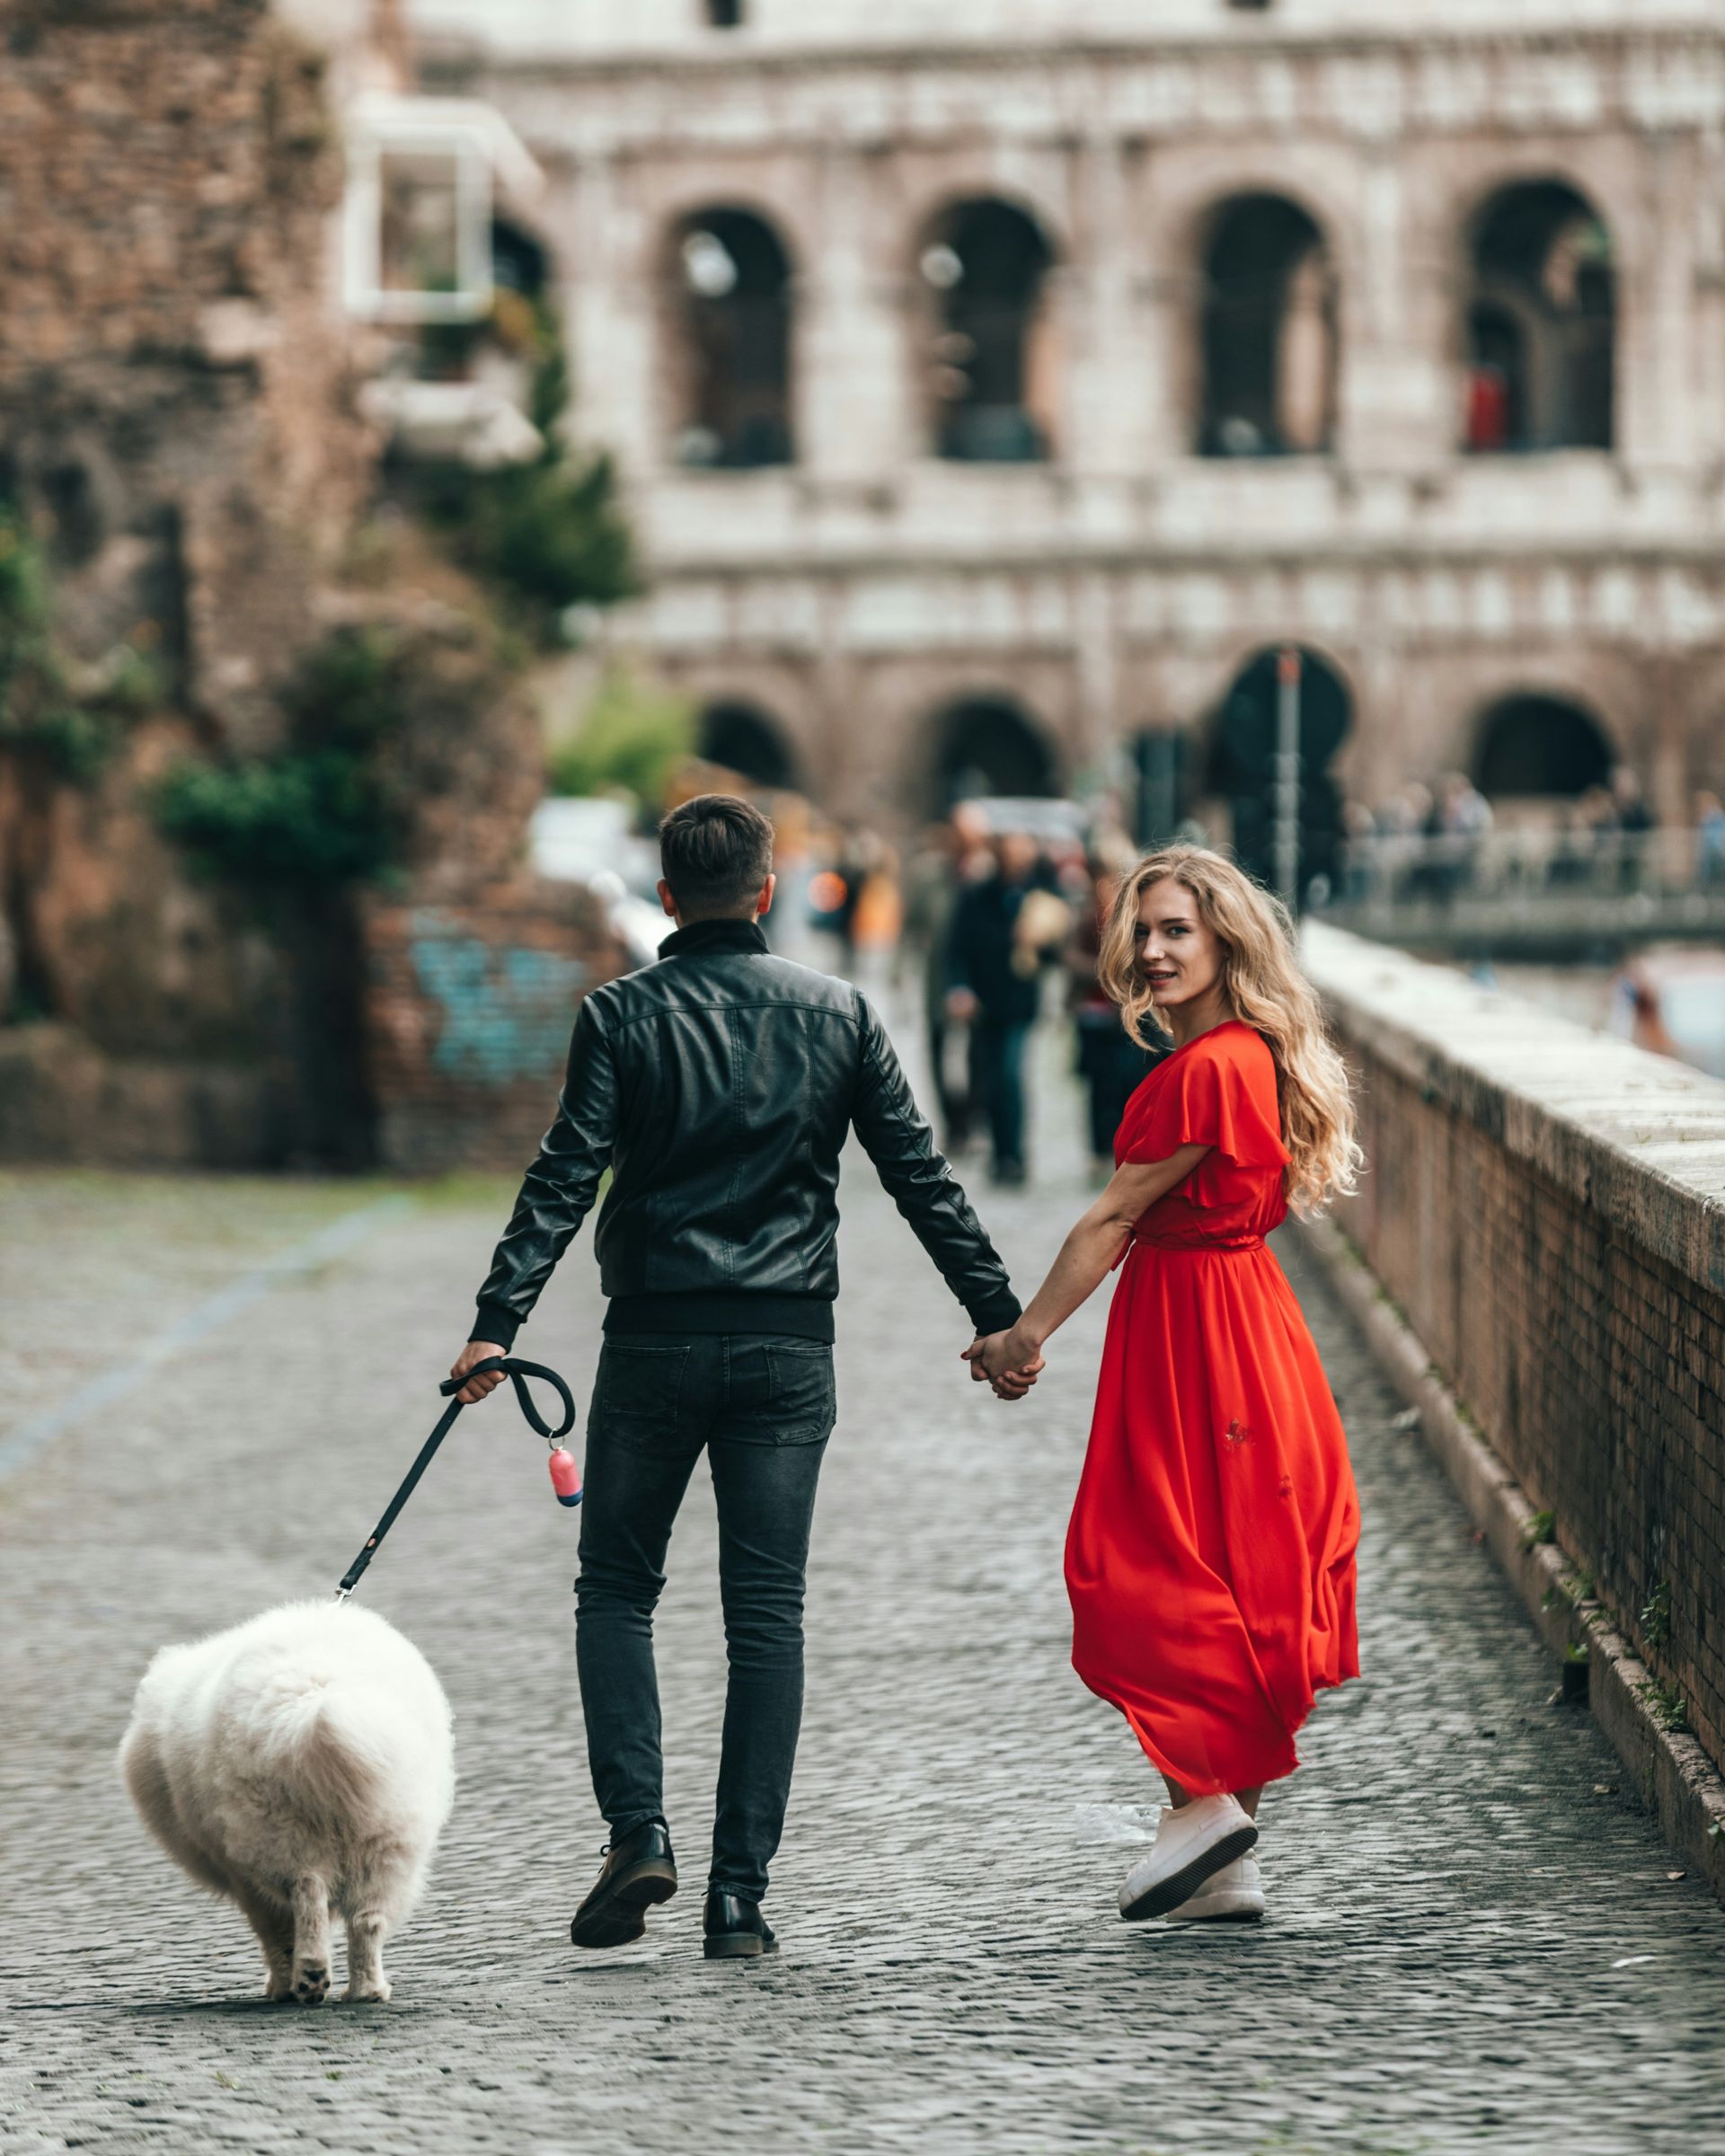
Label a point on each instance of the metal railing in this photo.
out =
(1419, 868)
(1497, 885)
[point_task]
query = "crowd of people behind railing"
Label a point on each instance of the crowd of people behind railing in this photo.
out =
(1433, 844)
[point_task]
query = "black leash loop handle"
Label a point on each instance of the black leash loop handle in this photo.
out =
(517, 1372)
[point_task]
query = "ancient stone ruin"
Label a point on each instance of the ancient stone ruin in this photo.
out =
(188, 586)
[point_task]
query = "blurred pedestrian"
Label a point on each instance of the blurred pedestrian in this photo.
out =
(1456, 823)
(1710, 842)
(953, 856)
(1003, 931)
(1401, 824)
(1634, 822)
(1111, 1064)
(1359, 873)
(1572, 858)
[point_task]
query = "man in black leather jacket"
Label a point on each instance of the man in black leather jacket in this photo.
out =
(719, 1087)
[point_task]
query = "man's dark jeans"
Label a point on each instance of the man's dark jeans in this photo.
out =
(763, 1406)
(998, 1063)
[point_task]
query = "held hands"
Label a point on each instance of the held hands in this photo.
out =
(475, 1389)
(1010, 1362)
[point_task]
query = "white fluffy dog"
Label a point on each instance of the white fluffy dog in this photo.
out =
(298, 1763)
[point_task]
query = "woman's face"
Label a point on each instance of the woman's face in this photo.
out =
(1178, 955)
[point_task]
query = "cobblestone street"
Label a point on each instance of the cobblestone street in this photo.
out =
(1476, 1938)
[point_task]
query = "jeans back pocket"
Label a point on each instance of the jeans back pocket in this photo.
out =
(802, 1396)
(639, 1389)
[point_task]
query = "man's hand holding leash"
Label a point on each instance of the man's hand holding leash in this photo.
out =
(488, 1381)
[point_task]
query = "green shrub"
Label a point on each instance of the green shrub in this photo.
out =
(633, 736)
(549, 535)
(319, 810)
(315, 817)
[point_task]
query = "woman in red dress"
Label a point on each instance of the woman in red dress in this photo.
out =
(1211, 1558)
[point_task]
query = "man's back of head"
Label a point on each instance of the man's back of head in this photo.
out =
(716, 855)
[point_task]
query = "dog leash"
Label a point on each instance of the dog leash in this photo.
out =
(565, 1475)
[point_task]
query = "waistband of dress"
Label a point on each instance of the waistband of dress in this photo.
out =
(1226, 1245)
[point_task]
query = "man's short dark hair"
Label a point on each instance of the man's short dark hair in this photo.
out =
(716, 853)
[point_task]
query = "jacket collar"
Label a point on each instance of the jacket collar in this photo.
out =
(702, 936)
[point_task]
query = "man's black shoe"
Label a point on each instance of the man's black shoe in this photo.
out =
(638, 1871)
(735, 1929)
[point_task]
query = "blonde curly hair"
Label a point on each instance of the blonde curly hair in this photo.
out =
(1264, 987)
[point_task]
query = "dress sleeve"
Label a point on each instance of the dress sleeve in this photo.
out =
(1213, 1096)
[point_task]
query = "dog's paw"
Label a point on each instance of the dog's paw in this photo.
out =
(380, 1990)
(312, 1983)
(278, 1990)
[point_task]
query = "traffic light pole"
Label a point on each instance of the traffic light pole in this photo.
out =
(1288, 775)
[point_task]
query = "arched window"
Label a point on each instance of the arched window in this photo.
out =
(1242, 760)
(991, 367)
(985, 747)
(744, 739)
(1268, 335)
(1540, 747)
(1541, 323)
(729, 321)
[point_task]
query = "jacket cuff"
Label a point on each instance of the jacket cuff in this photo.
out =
(493, 1321)
(999, 1313)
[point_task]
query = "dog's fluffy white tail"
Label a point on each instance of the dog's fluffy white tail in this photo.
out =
(329, 1740)
(337, 1731)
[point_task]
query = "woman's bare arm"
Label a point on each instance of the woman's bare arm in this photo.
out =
(1086, 1258)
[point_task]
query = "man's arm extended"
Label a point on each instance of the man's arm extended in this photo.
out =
(925, 1189)
(556, 1195)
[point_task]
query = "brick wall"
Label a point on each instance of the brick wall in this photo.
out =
(470, 1007)
(1547, 1208)
(177, 391)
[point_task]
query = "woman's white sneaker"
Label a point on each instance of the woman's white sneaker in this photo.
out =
(1191, 1846)
(1233, 1895)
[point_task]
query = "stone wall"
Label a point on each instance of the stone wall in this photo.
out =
(179, 439)
(177, 409)
(1546, 1208)
(469, 1009)
(179, 434)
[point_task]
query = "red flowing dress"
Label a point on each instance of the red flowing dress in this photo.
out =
(1210, 1558)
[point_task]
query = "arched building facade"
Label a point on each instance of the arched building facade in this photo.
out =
(1072, 372)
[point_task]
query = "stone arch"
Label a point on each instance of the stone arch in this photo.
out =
(727, 320)
(1241, 747)
(1540, 745)
(739, 735)
(1269, 329)
(987, 180)
(1539, 321)
(989, 361)
(983, 742)
(769, 189)
(1173, 208)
